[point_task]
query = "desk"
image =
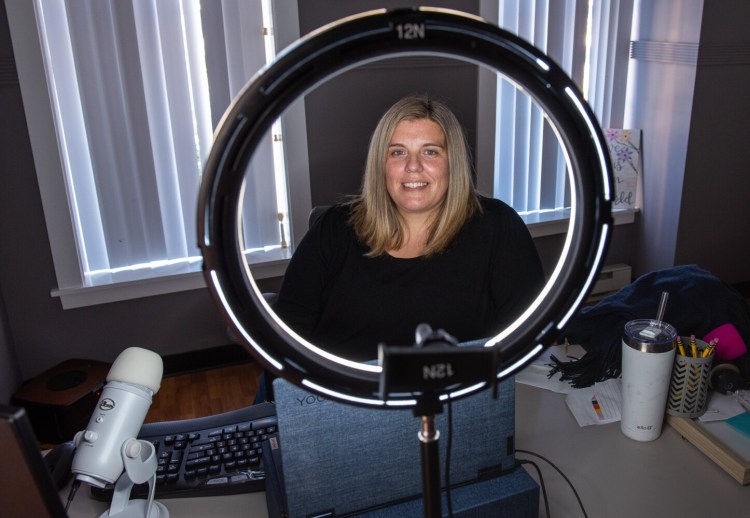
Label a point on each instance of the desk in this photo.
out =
(615, 476)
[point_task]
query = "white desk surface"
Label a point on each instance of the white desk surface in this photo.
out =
(614, 475)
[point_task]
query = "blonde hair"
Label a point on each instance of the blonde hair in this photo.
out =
(376, 220)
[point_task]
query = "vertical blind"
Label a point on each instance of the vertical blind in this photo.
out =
(588, 39)
(138, 88)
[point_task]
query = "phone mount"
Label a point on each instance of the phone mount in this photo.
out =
(139, 459)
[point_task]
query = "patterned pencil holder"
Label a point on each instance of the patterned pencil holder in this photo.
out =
(688, 389)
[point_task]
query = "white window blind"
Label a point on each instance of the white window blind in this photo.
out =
(610, 24)
(137, 89)
(589, 40)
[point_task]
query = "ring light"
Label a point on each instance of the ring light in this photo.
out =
(320, 56)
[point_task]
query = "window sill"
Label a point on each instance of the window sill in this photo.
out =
(264, 264)
(555, 222)
(267, 264)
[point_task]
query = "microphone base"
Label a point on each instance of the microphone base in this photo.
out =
(139, 459)
(137, 509)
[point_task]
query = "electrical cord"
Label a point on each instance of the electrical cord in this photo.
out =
(72, 493)
(449, 447)
(578, 498)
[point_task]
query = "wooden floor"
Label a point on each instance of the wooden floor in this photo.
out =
(204, 393)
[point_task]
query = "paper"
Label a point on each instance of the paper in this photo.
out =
(598, 404)
(537, 372)
(627, 165)
(720, 407)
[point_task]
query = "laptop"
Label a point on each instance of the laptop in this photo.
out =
(332, 459)
(26, 487)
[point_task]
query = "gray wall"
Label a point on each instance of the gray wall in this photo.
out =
(714, 224)
(660, 93)
(38, 334)
(690, 99)
(10, 374)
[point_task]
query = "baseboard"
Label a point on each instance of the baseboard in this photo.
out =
(202, 359)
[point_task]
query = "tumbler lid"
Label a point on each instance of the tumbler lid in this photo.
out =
(650, 336)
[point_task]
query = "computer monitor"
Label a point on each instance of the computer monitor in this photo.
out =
(26, 487)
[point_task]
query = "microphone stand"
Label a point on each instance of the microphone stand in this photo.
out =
(139, 459)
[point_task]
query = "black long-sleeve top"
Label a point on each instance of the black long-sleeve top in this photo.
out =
(347, 303)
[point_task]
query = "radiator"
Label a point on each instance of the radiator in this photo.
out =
(611, 279)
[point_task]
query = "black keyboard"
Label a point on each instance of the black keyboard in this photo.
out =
(207, 456)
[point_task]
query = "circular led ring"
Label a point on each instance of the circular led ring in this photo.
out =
(332, 50)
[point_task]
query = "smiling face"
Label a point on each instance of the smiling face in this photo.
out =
(416, 168)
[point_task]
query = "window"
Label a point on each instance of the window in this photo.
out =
(589, 39)
(136, 89)
(119, 180)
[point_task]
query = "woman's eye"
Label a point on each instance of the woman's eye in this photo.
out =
(430, 152)
(398, 152)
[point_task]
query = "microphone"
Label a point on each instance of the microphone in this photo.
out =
(135, 376)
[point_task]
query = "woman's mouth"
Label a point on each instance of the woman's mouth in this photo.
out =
(415, 185)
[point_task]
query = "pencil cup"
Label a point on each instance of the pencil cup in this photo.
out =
(688, 390)
(647, 359)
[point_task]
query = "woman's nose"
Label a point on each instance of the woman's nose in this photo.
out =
(413, 163)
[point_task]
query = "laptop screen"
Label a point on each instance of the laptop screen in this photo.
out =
(343, 459)
(26, 488)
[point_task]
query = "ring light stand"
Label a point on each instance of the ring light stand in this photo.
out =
(432, 367)
(322, 55)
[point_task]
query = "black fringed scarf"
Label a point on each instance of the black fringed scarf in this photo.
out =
(698, 302)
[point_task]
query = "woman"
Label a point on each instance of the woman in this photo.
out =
(418, 245)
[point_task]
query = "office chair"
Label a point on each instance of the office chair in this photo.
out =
(265, 383)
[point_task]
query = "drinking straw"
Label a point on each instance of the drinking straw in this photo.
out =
(662, 306)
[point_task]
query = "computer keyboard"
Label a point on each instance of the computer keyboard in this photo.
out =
(207, 456)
